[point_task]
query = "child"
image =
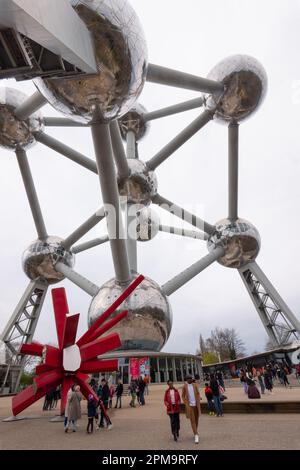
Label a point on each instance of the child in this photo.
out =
(92, 411)
(210, 401)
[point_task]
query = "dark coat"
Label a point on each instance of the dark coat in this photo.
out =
(214, 387)
(92, 408)
(253, 391)
(119, 390)
(171, 409)
(105, 393)
(141, 385)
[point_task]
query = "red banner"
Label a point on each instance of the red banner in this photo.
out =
(134, 367)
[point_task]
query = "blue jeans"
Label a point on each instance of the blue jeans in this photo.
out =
(142, 399)
(218, 405)
(210, 406)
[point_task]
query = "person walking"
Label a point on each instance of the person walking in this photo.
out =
(214, 385)
(172, 402)
(74, 408)
(132, 390)
(260, 378)
(71, 389)
(119, 393)
(210, 399)
(220, 379)
(104, 398)
(141, 387)
(111, 395)
(268, 379)
(92, 412)
(191, 399)
(243, 380)
(283, 376)
(146, 380)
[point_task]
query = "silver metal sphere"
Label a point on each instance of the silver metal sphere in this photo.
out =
(14, 132)
(147, 224)
(140, 186)
(135, 122)
(40, 257)
(149, 321)
(245, 83)
(240, 239)
(121, 55)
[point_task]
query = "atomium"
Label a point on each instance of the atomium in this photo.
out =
(140, 186)
(15, 132)
(245, 82)
(149, 321)
(134, 121)
(233, 91)
(147, 224)
(121, 55)
(40, 257)
(240, 239)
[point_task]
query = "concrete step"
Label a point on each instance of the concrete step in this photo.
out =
(254, 406)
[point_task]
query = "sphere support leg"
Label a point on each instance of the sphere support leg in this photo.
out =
(118, 149)
(110, 195)
(84, 229)
(77, 279)
(185, 276)
(174, 109)
(66, 151)
(30, 106)
(31, 194)
(180, 139)
(166, 76)
(183, 214)
(20, 330)
(233, 170)
(280, 323)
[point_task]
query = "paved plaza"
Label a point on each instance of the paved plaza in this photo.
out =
(148, 428)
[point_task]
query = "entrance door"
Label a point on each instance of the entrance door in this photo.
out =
(124, 373)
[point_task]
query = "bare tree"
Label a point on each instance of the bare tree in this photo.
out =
(225, 344)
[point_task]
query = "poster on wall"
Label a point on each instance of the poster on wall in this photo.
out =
(139, 367)
(134, 367)
(144, 366)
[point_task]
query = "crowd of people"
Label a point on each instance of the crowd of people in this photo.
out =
(265, 377)
(104, 394)
(97, 409)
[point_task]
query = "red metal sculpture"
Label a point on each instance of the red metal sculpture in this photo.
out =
(72, 361)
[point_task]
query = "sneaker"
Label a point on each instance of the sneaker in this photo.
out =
(196, 439)
(66, 429)
(110, 426)
(175, 436)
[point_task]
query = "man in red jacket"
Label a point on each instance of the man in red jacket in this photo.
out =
(172, 402)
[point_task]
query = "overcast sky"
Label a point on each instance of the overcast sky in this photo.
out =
(191, 36)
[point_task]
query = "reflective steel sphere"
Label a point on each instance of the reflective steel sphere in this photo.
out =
(134, 121)
(40, 258)
(14, 132)
(121, 55)
(149, 320)
(240, 239)
(140, 186)
(147, 224)
(245, 83)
